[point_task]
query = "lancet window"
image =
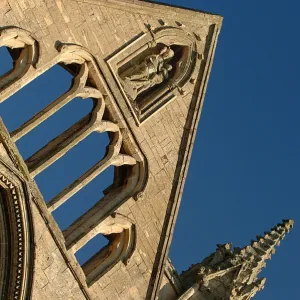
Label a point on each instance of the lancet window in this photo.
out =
(121, 236)
(121, 153)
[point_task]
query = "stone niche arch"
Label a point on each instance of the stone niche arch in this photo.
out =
(16, 239)
(24, 51)
(121, 235)
(183, 64)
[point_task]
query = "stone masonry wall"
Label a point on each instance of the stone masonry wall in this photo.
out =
(104, 27)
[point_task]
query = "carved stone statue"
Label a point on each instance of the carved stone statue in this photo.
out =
(152, 70)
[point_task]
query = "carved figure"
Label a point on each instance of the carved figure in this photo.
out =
(153, 70)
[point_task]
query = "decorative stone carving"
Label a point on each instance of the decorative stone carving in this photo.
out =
(154, 69)
(233, 273)
(16, 253)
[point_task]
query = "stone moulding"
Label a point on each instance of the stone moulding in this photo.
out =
(184, 69)
(25, 51)
(16, 255)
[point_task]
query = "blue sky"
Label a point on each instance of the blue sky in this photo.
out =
(244, 173)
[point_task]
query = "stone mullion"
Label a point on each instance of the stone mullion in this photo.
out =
(113, 158)
(113, 150)
(85, 238)
(59, 146)
(72, 136)
(90, 223)
(43, 115)
(77, 89)
(68, 139)
(81, 182)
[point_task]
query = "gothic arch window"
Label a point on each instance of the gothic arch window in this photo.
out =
(154, 69)
(24, 51)
(91, 150)
(35, 97)
(127, 167)
(121, 236)
(121, 153)
(52, 108)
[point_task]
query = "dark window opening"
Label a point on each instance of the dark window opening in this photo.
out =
(99, 243)
(33, 97)
(6, 60)
(72, 165)
(84, 200)
(55, 125)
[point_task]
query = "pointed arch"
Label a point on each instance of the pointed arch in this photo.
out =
(121, 235)
(16, 239)
(120, 152)
(24, 50)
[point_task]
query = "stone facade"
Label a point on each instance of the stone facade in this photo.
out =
(151, 140)
(146, 67)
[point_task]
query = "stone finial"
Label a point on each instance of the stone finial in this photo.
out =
(236, 269)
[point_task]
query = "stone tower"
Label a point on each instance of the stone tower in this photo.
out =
(146, 68)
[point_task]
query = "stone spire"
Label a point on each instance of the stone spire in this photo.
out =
(232, 274)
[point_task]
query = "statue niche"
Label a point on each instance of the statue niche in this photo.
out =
(155, 68)
(149, 71)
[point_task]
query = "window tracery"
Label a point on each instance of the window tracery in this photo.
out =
(121, 153)
(121, 235)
